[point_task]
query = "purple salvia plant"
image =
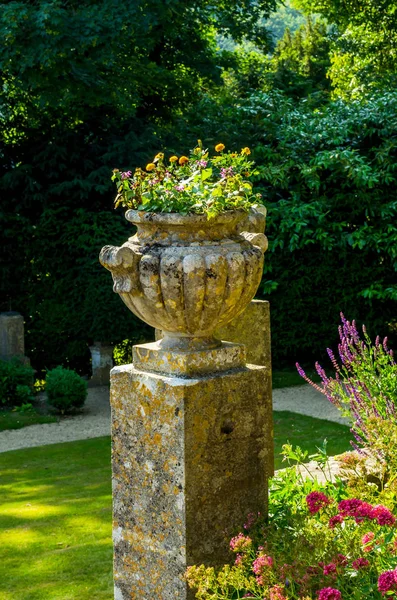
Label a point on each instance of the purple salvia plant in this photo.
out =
(359, 387)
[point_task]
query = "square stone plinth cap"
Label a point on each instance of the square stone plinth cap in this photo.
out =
(152, 358)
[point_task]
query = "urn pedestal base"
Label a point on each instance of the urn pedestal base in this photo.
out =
(191, 457)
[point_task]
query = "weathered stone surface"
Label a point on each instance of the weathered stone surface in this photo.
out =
(102, 363)
(251, 328)
(186, 275)
(191, 458)
(12, 340)
(152, 358)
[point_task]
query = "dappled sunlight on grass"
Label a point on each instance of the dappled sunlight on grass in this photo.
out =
(55, 522)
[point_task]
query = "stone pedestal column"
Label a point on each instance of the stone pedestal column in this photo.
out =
(192, 452)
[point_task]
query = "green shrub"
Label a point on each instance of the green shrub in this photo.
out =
(66, 390)
(16, 381)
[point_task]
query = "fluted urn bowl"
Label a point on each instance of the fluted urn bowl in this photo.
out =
(187, 275)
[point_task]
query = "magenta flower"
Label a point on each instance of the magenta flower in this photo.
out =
(126, 174)
(316, 501)
(387, 581)
(350, 508)
(360, 563)
(383, 515)
(329, 593)
(341, 559)
(180, 187)
(329, 569)
(334, 521)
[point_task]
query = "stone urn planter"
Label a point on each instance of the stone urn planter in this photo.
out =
(187, 275)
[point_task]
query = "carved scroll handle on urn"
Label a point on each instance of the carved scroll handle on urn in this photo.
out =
(120, 261)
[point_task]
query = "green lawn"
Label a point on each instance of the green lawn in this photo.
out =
(290, 377)
(308, 433)
(55, 522)
(55, 518)
(10, 419)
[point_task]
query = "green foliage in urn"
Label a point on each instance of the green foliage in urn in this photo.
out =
(66, 390)
(200, 184)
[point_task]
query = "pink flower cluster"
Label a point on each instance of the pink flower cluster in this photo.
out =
(276, 593)
(362, 510)
(261, 563)
(366, 541)
(335, 520)
(329, 593)
(260, 566)
(360, 563)
(240, 543)
(316, 501)
(387, 582)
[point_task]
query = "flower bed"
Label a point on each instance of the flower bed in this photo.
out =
(335, 540)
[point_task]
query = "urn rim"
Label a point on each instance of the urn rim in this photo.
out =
(142, 216)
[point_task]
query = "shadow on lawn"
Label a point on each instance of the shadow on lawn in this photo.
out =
(55, 522)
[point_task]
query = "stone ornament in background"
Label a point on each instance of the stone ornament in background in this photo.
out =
(187, 275)
(101, 362)
(12, 337)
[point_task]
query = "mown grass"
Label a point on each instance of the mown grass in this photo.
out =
(55, 522)
(283, 378)
(309, 434)
(55, 517)
(11, 419)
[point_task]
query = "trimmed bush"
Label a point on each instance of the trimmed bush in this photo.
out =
(16, 381)
(66, 390)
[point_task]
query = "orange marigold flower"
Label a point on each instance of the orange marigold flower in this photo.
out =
(173, 159)
(150, 167)
(183, 160)
(246, 151)
(219, 147)
(233, 154)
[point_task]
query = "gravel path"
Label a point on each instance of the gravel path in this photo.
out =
(94, 421)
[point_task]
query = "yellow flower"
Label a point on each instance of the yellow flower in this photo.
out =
(219, 147)
(173, 159)
(159, 156)
(233, 154)
(183, 160)
(197, 150)
(150, 167)
(246, 151)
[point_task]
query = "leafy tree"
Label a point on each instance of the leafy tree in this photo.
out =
(301, 60)
(285, 17)
(364, 56)
(84, 87)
